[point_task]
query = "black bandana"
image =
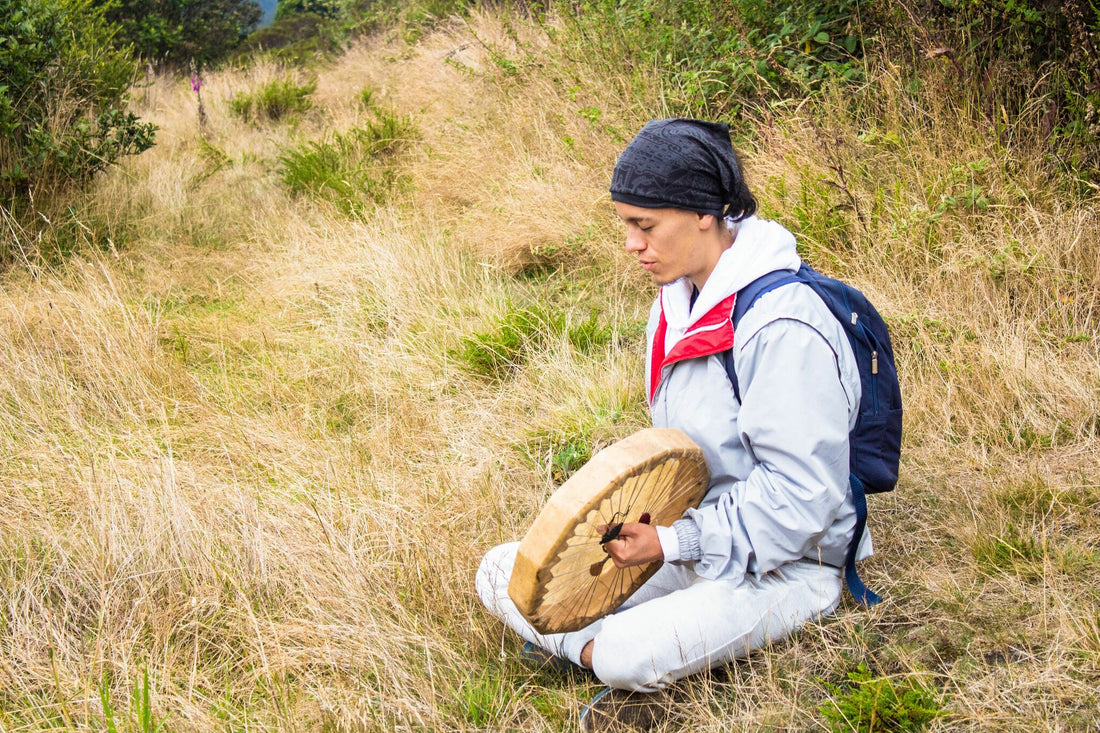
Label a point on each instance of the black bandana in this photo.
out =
(678, 164)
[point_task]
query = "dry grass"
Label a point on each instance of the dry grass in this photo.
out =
(240, 451)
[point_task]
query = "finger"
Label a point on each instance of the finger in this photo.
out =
(621, 560)
(628, 531)
(618, 553)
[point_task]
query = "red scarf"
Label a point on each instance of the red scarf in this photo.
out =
(711, 334)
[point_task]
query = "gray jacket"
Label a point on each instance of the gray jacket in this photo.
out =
(778, 460)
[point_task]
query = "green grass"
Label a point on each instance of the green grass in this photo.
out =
(504, 348)
(870, 704)
(275, 100)
(559, 452)
(481, 699)
(521, 331)
(353, 169)
(140, 716)
(1015, 550)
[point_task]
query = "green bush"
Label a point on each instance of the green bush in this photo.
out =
(63, 97)
(324, 8)
(294, 39)
(518, 333)
(352, 169)
(870, 704)
(717, 54)
(1035, 61)
(504, 348)
(181, 31)
(411, 17)
(273, 100)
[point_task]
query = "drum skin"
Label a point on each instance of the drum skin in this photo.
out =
(562, 579)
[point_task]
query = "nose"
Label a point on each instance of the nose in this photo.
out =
(634, 243)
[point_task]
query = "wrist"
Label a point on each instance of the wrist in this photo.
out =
(690, 546)
(670, 543)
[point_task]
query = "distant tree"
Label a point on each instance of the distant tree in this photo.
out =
(63, 96)
(323, 8)
(177, 31)
(297, 36)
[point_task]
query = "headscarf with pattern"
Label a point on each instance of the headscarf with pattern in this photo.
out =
(682, 164)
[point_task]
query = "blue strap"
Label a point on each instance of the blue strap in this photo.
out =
(746, 298)
(861, 592)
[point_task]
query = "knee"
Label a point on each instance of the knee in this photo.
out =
(628, 666)
(494, 573)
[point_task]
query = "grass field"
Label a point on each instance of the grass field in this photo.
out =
(297, 370)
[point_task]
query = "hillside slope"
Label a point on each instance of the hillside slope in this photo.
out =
(297, 374)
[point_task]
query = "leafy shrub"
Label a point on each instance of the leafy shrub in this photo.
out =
(351, 170)
(719, 54)
(324, 8)
(1030, 61)
(1038, 60)
(414, 16)
(273, 100)
(179, 31)
(519, 332)
(561, 451)
(568, 457)
(63, 96)
(873, 704)
(294, 39)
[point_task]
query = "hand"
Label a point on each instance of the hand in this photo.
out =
(637, 544)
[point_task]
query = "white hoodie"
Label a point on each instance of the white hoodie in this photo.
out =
(779, 459)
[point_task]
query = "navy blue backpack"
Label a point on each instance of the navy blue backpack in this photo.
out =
(875, 441)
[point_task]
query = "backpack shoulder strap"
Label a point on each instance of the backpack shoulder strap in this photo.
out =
(746, 299)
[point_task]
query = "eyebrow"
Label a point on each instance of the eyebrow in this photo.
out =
(636, 219)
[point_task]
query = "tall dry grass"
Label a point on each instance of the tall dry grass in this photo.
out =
(244, 460)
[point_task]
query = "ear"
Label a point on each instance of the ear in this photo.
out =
(706, 221)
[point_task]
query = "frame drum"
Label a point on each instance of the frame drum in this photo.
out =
(563, 580)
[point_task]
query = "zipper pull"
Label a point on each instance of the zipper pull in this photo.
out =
(874, 362)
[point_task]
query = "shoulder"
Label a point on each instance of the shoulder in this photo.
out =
(788, 324)
(795, 302)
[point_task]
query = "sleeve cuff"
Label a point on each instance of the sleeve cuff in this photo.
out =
(689, 536)
(680, 542)
(670, 543)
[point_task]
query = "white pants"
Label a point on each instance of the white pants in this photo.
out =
(677, 623)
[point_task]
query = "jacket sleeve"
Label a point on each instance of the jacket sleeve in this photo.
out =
(794, 419)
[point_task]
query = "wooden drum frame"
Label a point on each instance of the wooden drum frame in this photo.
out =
(562, 579)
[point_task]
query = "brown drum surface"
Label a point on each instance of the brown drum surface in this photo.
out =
(563, 579)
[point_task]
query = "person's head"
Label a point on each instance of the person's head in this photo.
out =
(674, 186)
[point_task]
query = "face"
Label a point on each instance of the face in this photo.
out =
(669, 243)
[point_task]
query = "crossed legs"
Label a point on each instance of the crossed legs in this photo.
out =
(678, 623)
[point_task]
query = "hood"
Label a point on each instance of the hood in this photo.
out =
(759, 246)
